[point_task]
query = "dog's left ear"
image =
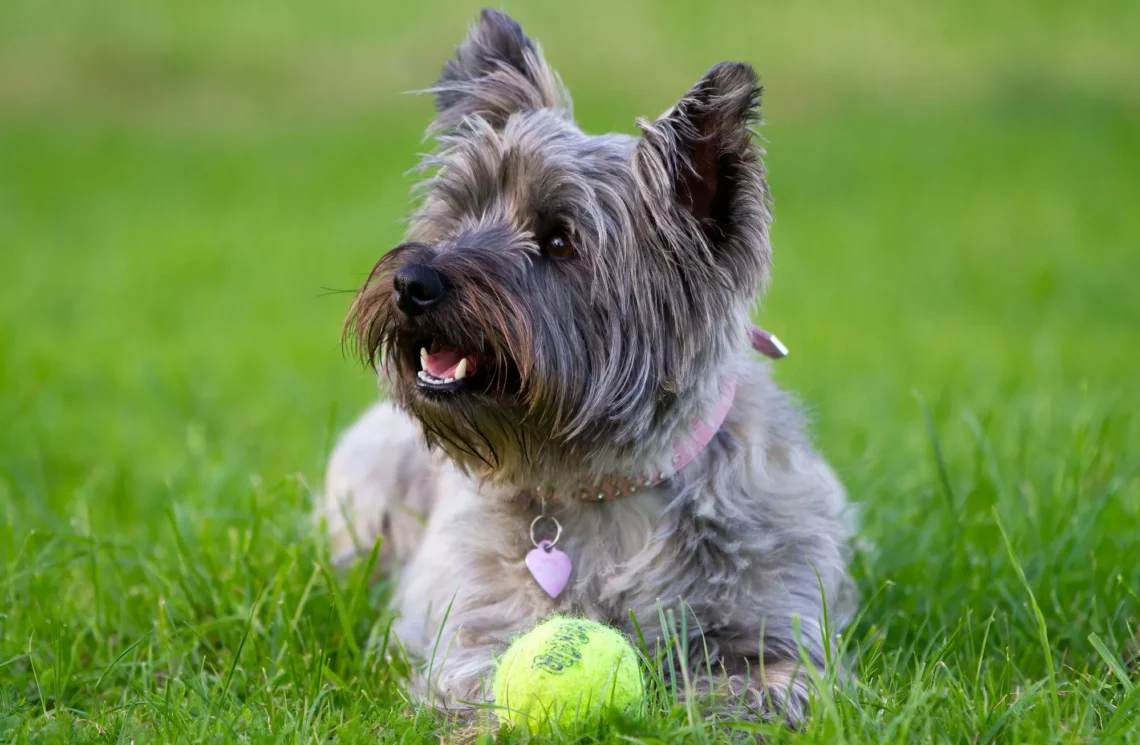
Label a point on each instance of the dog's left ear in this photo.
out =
(497, 71)
(700, 161)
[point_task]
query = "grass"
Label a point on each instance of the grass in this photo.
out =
(185, 189)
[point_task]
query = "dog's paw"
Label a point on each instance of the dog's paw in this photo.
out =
(778, 692)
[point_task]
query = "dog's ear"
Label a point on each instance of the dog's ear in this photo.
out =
(699, 160)
(496, 72)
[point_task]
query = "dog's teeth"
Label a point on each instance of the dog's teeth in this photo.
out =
(461, 369)
(448, 380)
(423, 357)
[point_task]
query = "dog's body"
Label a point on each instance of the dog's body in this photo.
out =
(585, 300)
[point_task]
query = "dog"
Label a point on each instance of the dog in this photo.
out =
(577, 420)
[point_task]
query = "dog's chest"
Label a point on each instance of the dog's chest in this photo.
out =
(612, 549)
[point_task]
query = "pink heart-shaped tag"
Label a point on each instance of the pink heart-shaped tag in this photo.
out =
(550, 567)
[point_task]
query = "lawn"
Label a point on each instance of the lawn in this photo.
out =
(190, 191)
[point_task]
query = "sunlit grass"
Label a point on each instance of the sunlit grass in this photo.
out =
(957, 253)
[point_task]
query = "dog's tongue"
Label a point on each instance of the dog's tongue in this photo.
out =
(442, 364)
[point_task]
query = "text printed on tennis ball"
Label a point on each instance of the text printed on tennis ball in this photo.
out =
(563, 650)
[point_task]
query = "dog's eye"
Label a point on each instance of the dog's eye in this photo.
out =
(558, 245)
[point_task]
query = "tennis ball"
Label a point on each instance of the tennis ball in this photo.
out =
(568, 670)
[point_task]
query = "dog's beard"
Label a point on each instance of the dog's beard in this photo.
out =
(464, 390)
(460, 370)
(490, 441)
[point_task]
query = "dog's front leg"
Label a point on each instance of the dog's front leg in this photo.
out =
(381, 482)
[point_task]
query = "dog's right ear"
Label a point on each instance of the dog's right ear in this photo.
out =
(497, 71)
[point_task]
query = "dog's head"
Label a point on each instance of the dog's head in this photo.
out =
(564, 301)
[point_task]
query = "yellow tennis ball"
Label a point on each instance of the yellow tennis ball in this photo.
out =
(568, 670)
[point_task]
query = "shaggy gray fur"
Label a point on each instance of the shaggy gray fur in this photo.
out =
(591, 364)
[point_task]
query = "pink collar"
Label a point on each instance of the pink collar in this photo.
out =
(690, 445)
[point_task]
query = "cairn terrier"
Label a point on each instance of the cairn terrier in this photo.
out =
(579, 423)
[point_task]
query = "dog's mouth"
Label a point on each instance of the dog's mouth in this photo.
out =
(445, 368)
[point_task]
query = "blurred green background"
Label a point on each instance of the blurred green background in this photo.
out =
(189, 189)
(183, 184)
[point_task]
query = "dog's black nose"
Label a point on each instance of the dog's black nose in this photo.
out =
(418, 287)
